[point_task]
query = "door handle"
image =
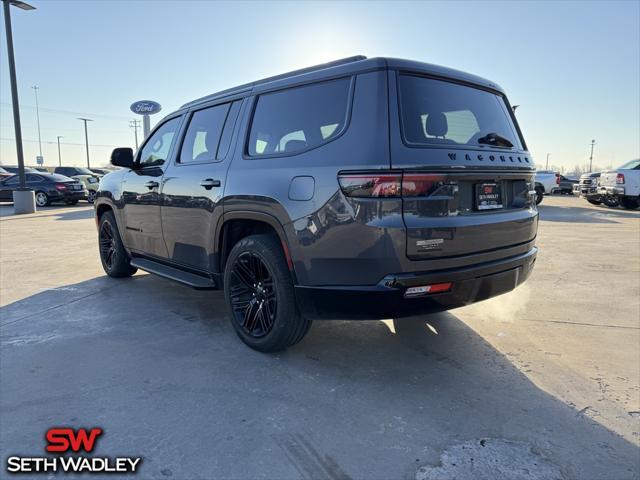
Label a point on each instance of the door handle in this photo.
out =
(209, 183)
(151, 185)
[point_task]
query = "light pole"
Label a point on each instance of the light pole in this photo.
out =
(35, 89)
(593, 142)
(86, 137)
(135, 124)
(23, 198)
(547, 167)
(59, 155)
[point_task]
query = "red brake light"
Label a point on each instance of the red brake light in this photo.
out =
(371, 185)
(557, 179)
(620, 178)
(61, 186)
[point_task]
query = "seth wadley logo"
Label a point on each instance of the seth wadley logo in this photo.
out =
(67, 440)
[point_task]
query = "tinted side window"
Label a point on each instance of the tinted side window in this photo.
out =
(298, 118)
(33, 178)
(12, 181)
(157, 148)
(203, 135)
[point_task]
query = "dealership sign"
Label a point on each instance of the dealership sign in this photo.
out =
(145, 107)
(68, 444)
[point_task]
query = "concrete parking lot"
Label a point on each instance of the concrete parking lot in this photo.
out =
(543, 382)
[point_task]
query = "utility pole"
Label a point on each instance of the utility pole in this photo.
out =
(135, 124)
(23, 198)
(59, 155)
(86, 137)
(547, 167)
(593, 142)
(35, 90)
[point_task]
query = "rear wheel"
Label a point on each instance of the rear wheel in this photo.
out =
(42, 199)
(260, 297)
(114, 258)
(610, 201)
(630, 203)
(594, 201)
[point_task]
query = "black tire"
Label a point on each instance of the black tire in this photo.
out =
(539, 195)
(629, 203)
(260, 297)
(91, 197)
(42, 199)
(114, 258)
(611, 202)
(71, 202)
(594, 201)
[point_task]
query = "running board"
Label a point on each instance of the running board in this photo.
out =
(190, 279)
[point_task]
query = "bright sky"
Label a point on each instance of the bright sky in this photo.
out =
(574, 67)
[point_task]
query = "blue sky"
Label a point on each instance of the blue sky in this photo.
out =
(574, 67)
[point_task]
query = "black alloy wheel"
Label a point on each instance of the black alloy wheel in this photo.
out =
(107, 245)
(253, 295)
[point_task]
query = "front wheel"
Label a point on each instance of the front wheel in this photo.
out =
(91, 197)
(42, 199)
(114, 258)
(539, 195)
(629, 203)
(260, 297)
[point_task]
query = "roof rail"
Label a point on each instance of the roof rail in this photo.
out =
(322, 66)
(247, 86)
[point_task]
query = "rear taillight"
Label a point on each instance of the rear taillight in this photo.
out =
(390, 185)
(420, 185)
(620, 178)
(371, 185)
(61, 186)
(557, 179)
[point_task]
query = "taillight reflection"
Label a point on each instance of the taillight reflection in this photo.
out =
(620, 178)
(373, 186)
(61, 186)
(420, 185)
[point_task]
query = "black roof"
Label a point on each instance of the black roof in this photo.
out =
(345, 66)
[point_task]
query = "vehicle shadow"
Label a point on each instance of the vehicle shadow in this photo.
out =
(60, 212)
(595, 214)
(352, 400)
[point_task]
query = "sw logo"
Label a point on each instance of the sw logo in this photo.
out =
(61, 440)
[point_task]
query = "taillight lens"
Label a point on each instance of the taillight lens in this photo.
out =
(371, 185)
(557, 179)
(620, 178)
(61, 186)
(420, 185)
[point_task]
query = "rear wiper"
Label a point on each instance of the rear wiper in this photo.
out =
(495, 140)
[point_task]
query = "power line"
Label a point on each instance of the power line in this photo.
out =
(55, 143)
(70, 112)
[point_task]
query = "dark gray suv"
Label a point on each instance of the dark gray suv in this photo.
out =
(359, 189)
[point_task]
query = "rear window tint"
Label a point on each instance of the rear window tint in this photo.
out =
(436, 112)
(299, 118)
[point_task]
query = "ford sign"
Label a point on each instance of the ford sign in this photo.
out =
(145, 107)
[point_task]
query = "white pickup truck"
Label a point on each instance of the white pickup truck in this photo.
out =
(623, 183)
(547, 182)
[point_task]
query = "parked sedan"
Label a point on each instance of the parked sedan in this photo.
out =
(12, 169)
(4, 173)
(48, 187)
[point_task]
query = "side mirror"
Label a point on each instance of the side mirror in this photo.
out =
(122, 157)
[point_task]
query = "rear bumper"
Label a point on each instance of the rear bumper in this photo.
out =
(386, 300)
(611, 190)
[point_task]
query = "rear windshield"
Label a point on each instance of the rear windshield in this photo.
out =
(436, 112)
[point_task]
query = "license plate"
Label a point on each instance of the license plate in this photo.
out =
(488, 196)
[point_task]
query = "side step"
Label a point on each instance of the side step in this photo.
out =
(190, 279)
